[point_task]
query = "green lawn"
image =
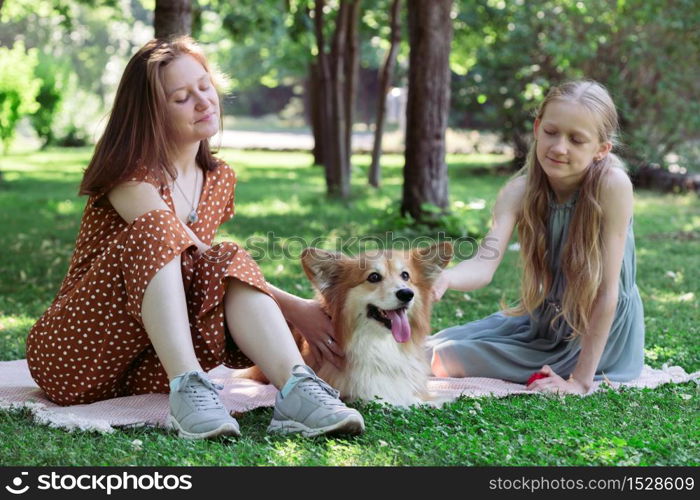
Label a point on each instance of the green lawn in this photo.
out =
(281, 193)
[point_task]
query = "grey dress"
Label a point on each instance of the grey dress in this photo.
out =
(514, 347)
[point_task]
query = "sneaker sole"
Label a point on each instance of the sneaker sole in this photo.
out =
(351, 425)
(222, 430)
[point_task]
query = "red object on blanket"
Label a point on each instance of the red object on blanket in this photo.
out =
(536, 376)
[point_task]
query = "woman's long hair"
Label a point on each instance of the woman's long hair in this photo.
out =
(582, 257)
(137, 130)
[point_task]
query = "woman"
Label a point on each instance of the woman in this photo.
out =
(148, 305)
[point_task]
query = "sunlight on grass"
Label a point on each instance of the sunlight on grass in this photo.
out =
(289, 452)
(68, 207)
(340, 454)
(12, 322)
(273, 207)
(670, 297)
(266, 158)
(656, 352)
(610, 451)
(646, 200)
(13, 331)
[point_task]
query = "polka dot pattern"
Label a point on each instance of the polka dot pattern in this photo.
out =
(90, 344)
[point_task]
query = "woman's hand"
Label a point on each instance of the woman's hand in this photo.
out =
(441, 285)
(553, 383)
(316, 327)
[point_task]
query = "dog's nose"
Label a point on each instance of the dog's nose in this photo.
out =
(405, 294)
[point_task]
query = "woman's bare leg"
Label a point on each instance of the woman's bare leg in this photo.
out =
(164, 314)
(259, 329)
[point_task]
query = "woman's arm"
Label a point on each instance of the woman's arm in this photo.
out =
(477, 272)
(617, 204)
(313, 323)
(133, 199)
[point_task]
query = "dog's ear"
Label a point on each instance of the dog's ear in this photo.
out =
(322, 267)
(433, 259)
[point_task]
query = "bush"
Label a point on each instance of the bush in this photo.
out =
(49, 99)
(18, 88)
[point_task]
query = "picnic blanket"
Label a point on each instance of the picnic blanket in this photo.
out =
(18, 390)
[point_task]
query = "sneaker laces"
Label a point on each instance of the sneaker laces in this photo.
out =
(192, 384)
(310, 383)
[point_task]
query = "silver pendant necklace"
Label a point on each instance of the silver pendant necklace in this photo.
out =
(192, 217)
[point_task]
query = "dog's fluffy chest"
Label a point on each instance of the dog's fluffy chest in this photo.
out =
(379, 367)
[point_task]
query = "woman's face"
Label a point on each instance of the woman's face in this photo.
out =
(567, 141)
(192, 103)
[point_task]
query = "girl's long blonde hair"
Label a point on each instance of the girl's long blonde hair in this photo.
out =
(582, 257)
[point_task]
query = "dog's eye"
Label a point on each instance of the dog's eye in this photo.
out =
(405, 276)
(374, 278)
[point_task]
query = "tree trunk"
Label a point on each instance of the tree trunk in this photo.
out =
(335, 78)
(314, 101)
(521, 146)
(327, 113)
(352, 70)
(385, 83)
(425, 170)
(338, 153)
(172, 18)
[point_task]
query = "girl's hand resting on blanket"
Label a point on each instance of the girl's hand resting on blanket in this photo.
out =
(316, 327)
(553, 383)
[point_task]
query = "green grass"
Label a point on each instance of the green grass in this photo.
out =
(282, 193)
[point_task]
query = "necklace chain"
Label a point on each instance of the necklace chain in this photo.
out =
(192, 217)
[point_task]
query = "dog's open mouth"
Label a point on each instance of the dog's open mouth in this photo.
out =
(395, 320)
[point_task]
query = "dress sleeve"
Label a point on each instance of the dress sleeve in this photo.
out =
(143, 174)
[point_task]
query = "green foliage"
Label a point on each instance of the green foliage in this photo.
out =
(18, 88)
(257, 42)
(462, 221)
(48, 98)
(82, 47)
(641, 50)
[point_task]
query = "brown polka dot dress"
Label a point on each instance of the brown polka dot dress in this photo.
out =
(90, 344)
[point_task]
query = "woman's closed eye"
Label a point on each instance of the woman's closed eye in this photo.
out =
(184, 99)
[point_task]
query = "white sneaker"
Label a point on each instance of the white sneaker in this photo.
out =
(196, 410)
(309, 406)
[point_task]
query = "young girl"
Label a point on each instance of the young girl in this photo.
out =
(580, 315)
(148, 305)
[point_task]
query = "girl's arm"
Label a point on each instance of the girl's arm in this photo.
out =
(478, 271)
(617, 203)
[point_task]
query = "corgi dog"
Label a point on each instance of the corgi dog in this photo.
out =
(380, 304)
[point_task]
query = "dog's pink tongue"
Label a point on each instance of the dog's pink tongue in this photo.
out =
(400, 328)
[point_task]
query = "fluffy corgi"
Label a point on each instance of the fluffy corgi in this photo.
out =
(380, 307)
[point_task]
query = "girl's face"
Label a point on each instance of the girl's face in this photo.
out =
(567, 141)
(192, 103)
